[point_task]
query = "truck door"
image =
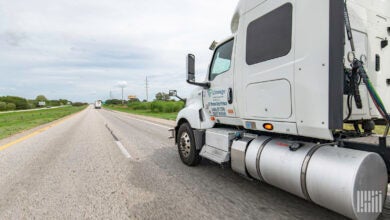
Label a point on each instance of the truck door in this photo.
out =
(218, 99)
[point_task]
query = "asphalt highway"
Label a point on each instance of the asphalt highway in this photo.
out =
(100, 164)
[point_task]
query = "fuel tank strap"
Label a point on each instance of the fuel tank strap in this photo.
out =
(305, 165)
(259, 156)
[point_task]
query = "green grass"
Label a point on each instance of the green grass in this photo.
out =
(163, 115)
(15, 122)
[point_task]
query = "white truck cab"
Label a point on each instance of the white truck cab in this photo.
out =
(279, 90)
(282, 68)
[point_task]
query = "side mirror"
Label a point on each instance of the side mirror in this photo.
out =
(191, 72)
(191, 68)
(172, 93)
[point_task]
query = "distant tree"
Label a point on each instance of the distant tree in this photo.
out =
(63, 101)
(3, 106)
(19, 102)
(77, 104)
(161, 96)
(41, 98)
(133, 100)
(32, 103)
(53, 103)
(144, 100)
(113, 102)
(11, 106)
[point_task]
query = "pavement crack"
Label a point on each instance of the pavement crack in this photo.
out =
(112, 133)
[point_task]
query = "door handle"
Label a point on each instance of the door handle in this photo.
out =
(230, 96)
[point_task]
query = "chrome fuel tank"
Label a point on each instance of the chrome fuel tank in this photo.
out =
(282, 167)
(350, 182)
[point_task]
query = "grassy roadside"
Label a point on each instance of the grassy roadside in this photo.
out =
(15, 122)
(163, 115)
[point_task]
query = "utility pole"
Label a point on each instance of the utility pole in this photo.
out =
(147, 88)
(122, 95)
(122, 85)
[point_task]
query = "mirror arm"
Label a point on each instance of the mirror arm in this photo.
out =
(181, 99)
(204, 85)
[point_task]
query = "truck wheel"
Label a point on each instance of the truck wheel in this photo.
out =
(186, 146)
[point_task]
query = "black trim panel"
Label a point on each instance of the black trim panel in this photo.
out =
(336, 66)
(200, 138)
(270, 36)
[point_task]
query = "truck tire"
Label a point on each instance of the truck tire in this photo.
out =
(189, 155)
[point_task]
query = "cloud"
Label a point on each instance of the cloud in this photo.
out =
(79, 50)
(12, 38)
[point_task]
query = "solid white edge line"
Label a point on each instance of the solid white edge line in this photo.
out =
(123, 150)
(145, 121)
(148, 122)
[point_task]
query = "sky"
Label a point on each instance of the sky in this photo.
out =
(81, 50)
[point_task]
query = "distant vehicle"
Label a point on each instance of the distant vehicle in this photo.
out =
(98, 104)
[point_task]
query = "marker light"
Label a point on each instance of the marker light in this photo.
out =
(268, 126)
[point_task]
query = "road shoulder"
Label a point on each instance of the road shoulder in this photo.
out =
(27, 132)
(161, 121)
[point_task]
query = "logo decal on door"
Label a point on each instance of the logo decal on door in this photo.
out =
(217, 102)
(213, 93)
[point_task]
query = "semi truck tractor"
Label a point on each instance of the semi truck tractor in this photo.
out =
(292, 98)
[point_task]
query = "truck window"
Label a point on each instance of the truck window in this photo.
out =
(269, 36)
(221, 60)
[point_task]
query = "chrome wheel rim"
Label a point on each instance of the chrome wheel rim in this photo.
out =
(185, 144)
